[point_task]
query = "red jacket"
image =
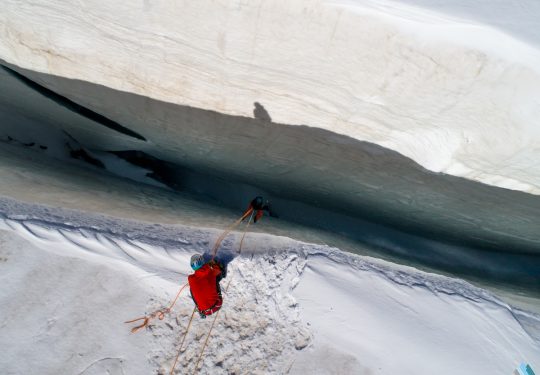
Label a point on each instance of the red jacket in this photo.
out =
(205, 289)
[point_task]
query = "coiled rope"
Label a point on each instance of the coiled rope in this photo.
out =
(160, 314)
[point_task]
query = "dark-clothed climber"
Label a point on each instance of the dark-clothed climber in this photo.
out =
(259, 205)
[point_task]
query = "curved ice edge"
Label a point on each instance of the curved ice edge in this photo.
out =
(151, 247)
(437, 284)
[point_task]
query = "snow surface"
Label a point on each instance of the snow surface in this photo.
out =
(452, 86)
(292, 307)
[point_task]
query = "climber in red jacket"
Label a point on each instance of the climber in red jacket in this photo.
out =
(204, 285)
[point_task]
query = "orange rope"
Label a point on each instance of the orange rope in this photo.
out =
(160, 314)
(205, 342)
(226, 289)
(228, 230)
(183, 339)
(244, 235)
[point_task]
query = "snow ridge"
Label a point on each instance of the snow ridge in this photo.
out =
(137, 242)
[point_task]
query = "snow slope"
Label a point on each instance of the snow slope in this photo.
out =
(454, 88)
(292, 307)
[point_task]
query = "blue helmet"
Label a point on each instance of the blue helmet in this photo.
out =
(197, 261)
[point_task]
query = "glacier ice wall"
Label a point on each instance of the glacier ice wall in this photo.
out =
(456, 94)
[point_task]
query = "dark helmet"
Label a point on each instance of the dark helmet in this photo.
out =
(258, 203)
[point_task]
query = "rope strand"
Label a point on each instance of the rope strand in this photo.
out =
(205, 342)
(160, 314)
(228, 230)
(226, 289)
(183, 339)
